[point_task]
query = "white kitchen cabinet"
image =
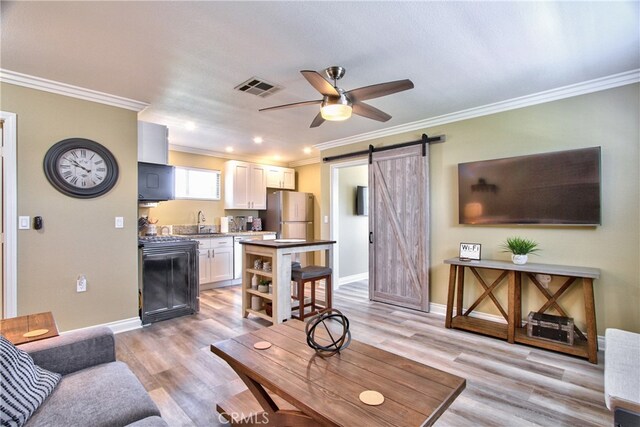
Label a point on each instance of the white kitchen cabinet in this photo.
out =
(153, 143)
(283, 178)
(222, 263)
(204, 265)
(215, 259)
(245, 185)
(288, 179)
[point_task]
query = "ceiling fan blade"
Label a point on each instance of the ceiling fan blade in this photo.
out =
(381, 89)
(366, 110)
(317, 121)
(295, 104)
(320, 83)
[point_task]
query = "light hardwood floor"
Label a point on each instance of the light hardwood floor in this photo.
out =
(507, 385)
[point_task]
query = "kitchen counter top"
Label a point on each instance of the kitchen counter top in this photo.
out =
(288, 244)
(230, 234)
(280, 253)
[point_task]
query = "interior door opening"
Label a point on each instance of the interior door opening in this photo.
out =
(8, 201)
(350, 230)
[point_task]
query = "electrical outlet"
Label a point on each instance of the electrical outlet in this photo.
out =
(24, 223)
(326, 219)
(81, 284)
(119, 222)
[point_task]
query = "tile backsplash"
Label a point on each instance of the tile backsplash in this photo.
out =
(192, 229)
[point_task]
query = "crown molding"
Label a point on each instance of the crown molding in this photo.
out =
(304, 162)
(229, 156)
(32, 82)
(596, 85)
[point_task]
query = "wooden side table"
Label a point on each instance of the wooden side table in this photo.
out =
(15, 328)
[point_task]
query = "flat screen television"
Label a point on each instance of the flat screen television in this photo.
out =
(558, 188)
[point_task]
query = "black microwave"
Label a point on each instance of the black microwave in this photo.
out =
(155, 182)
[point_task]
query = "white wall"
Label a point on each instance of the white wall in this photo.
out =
(353, 230)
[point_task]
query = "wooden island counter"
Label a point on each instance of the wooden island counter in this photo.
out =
(279, 253)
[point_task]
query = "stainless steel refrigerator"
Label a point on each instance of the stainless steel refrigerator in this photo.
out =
(290, 215)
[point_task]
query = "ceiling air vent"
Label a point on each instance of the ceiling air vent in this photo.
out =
(258, 87)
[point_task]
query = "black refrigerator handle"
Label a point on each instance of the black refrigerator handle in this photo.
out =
(371, 237)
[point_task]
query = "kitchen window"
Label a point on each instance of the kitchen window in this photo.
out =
(193, 183)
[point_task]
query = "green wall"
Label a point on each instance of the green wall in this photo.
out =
(79, 236)
(608, 119)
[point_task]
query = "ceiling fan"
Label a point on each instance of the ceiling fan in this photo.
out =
(338, 104)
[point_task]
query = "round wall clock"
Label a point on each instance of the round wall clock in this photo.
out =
(81, 168)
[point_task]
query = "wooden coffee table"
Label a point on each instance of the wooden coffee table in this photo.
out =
(289, 385)
(15, 328)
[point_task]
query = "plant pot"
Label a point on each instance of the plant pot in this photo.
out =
(519, 259)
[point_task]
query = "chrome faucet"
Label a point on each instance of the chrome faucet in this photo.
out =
(200, 219)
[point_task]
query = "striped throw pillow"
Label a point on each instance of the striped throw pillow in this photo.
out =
(23, 384)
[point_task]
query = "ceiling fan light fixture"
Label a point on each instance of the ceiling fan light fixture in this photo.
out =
(337, 104)
(336, 109)
(336, 112)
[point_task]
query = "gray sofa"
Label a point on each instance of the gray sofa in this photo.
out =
(95, 389)
(622, 376)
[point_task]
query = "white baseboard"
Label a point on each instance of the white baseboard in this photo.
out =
(353, 278)
(117, 327)
(441, 310)
(221, 284)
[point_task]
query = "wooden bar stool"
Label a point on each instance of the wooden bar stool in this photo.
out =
(312, 274)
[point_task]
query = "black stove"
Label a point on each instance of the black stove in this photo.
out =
(161, 239)
(168, 283)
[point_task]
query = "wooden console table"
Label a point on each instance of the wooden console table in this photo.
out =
(513, 330)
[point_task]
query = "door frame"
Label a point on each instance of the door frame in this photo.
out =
(333, 203)
(9, 206)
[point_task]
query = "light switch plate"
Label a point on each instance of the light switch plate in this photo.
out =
(119, 222)
(24, 223)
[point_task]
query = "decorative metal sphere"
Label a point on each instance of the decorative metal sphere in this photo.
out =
(336, 343)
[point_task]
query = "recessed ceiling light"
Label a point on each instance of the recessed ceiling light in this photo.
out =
(229, 149)
(307, 150)
(190, 126)
(276, 157)
(258, 140)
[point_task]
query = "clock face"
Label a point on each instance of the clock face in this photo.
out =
(80, 168)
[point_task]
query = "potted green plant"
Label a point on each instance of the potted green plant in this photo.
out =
(264, 285)
(520, 249)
